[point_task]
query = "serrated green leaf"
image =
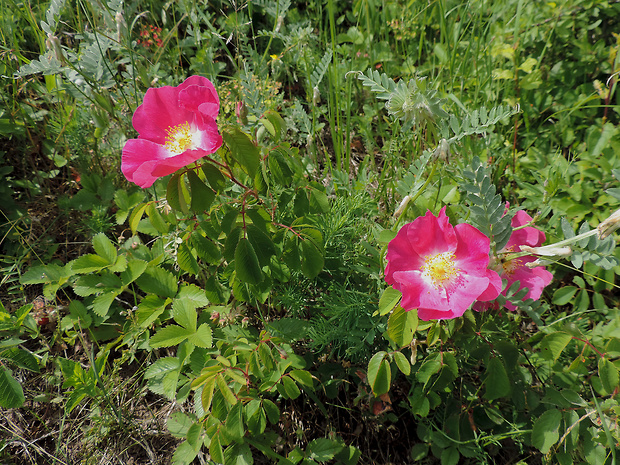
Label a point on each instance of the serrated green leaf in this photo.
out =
(203, 337)
(261, 243)
(563, 295)
(169, 336)
(184, 313)
(186, 259)
(176, 193)
(158, 281)
(149, 310)
(133, 271)
(553, 344)
(292, 391)
(402, 363)
(247, 265)
(323, 450)
(104, 248)
(608, 373)
(184, 454)
(102, 302)
(214, 176)
(20, 357)
(225, 390)
(402, 325)
(135, 217)
(545, 430)
(206, 249)
(388, 300)
(272, 411)
(302, 377)
(202, 196)
(89, 263)
(162, 366)
(206, 397)
(156, 219)
(312, 260)
(215, 449)
(234, 422)
(496, 381)
(379, 373)
(242, 149)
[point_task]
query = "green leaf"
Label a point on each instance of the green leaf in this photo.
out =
(11, 392)
(136, 216)
(149, 310)
(545, 431)
(450, 456)
(203, 337)
(319, 203)
(104, 248)
(496, 382)
(234, 422)
(292, 391)
(184, 313)
(379, 373)
(186, 259)
(238, 454)
(20, 357)
(184, 454)
(242, 149)
(206, 397)
(202, 196)
(608, 373)
(322, 449)
(169, 336)
(102, 302)
(158, 281)
(161, 367)
(428, 368)
(261, 243)
(388, 300)
(312, 260)
(553, 344)
(193, 293)
(225, 390)
(89, 263)
(246, 263)
(302, 377)
(214, 176)
(176, 194)
(206, 249)
(402, 325)
(178, 424)
(156, 219)
(563, 295)
(215, 449)
(273, 413)
(402, 363)
(133, 271)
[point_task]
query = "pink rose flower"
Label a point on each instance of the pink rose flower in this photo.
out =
(176, 126)
(535, 279)
(440, 269)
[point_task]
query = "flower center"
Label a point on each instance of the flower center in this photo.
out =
(440, 268)
(179, 138)
(511, 266)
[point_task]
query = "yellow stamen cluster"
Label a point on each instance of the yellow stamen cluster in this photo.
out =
(179, 138)
(440, 268)
(510, 266)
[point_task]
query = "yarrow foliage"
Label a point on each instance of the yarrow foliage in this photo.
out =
(440, 269)
(176, 126)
